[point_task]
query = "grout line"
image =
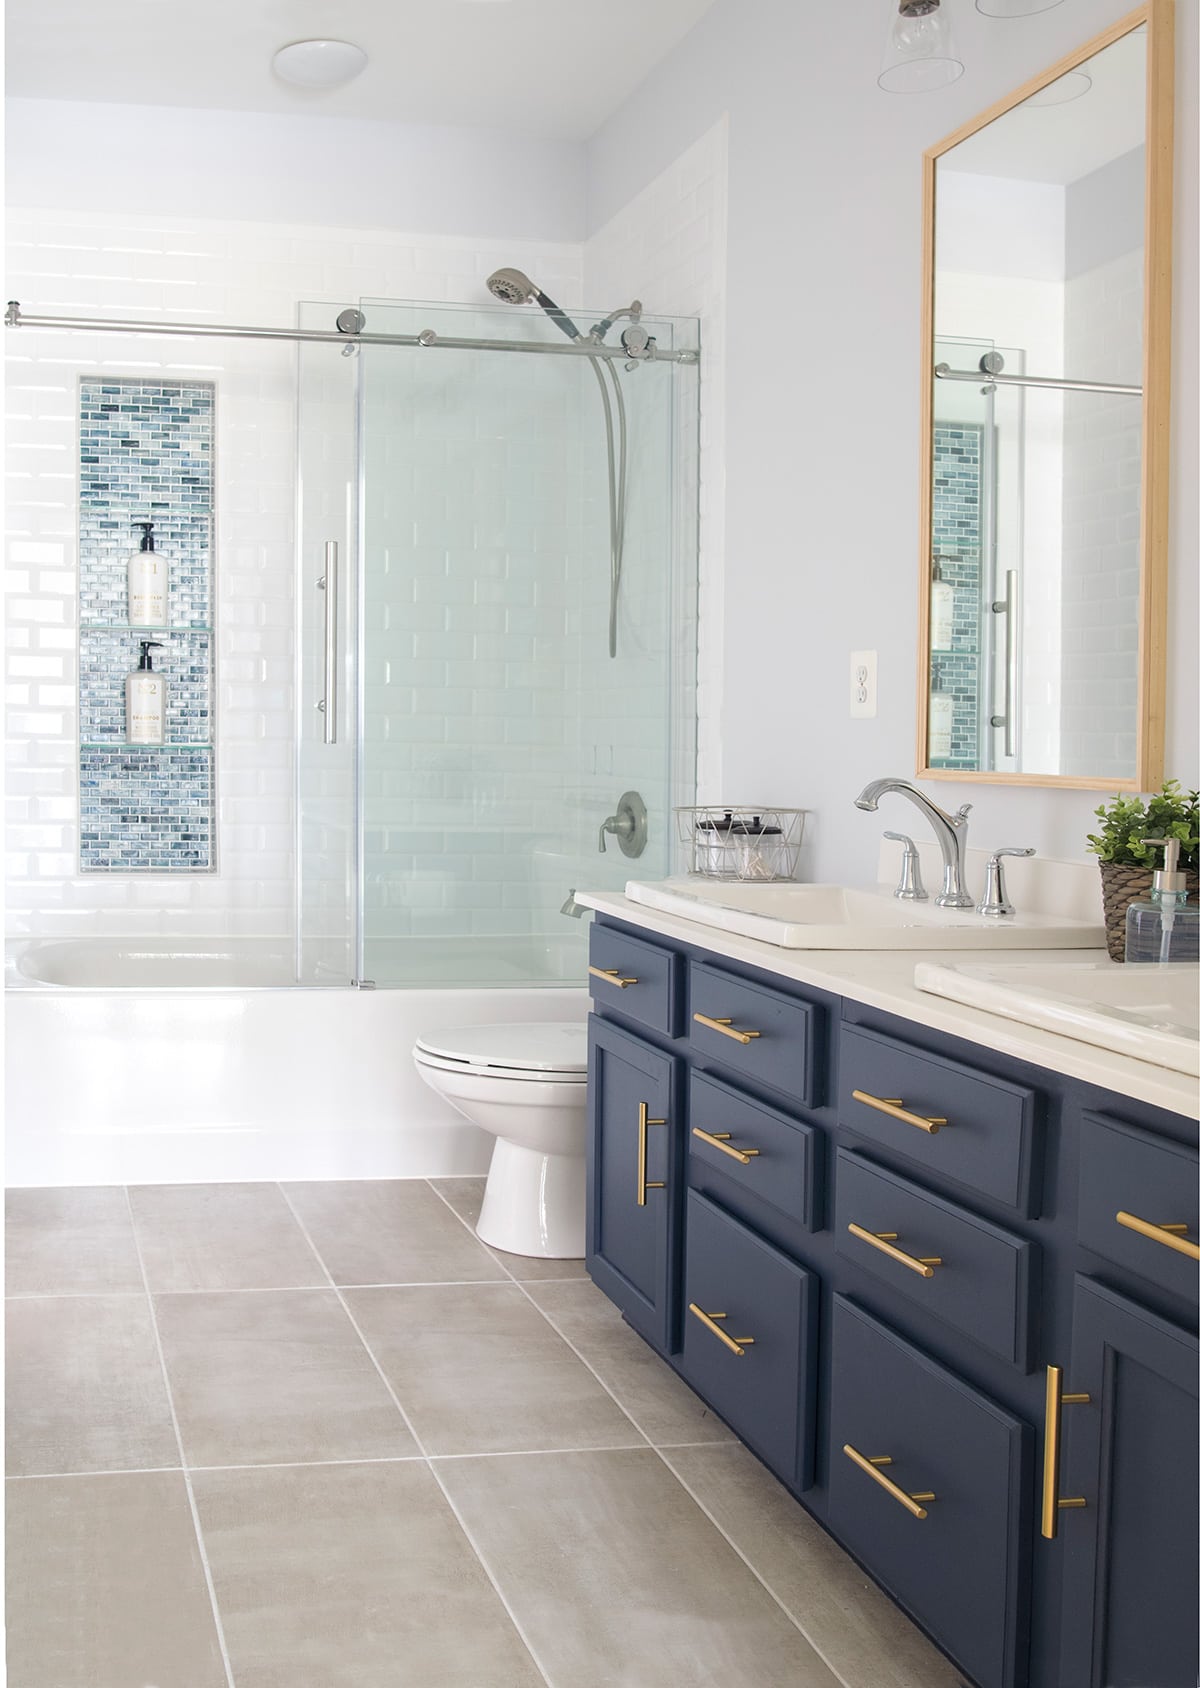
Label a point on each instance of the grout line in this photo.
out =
(517, 1625)
(541, 1453)
(74, 1294)
(203, 1550)
(113, 1471)
(661, 1452)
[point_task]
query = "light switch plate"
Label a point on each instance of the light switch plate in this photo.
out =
(862, 684)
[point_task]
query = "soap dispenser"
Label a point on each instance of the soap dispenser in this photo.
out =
(147, 582)
(1164, 929)
(146, 699)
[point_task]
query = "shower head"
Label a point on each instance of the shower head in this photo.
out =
(513, 287)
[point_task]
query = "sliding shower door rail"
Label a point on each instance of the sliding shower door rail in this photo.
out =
(980, 377)
(427, 339)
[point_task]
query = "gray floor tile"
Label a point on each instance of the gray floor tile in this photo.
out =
(69, 1242)
(661, 1404)
(85, 1387)
(465, 1196)
(478, 1370)
(390, 1231)
(106, 1587)
(274, 1376)
(617, 1577)
(855, 1626)
(221, 1236)
(352, 1576)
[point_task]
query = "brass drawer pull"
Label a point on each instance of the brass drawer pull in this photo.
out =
(895, 1109)
(883, 1240)
(736, 1345)
(643, 1123)
(1055, 1401)
(1170, 1236)
(719, 1140)
(871, 1467)
(611, 976)
(725, 1027)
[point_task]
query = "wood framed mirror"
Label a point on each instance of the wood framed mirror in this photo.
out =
(1045, 419)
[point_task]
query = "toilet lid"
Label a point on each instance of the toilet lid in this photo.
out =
(553, 1046)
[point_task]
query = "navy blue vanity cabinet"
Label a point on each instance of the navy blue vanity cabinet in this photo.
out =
(635, 1179)
(1131, 1568)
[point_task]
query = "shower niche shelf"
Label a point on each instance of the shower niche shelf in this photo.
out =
(146, 453)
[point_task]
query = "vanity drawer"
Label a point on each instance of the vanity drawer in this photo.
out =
(1128, 1173)
(763, 1152)
(983, 1283)
(986, 1140)
(766, 1036)
(959, 1558)
(753, 1355)
(641, 980)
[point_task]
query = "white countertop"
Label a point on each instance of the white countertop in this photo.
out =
(883, 979)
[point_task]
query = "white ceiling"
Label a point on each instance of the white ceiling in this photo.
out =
(1061, 143)
(553, 68)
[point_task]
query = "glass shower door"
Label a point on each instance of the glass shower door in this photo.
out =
(498, 735)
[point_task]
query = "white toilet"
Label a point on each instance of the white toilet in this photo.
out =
(527, 1086)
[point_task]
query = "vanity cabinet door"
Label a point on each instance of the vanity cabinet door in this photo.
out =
(1130, 1560)
(635, 1179)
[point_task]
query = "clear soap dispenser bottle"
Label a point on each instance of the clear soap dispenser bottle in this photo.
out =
(146, 699)
(147, 582)
(1165, 928)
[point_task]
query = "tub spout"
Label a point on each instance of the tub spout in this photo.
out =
(949, 830)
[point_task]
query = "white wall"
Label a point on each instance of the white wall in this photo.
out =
(823, 303)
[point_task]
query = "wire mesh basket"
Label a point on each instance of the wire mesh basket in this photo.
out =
(749, 841)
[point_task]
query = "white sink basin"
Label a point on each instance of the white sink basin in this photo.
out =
(1152, 1013)
(845, 917)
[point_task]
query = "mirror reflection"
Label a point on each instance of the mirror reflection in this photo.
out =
(1035, 535)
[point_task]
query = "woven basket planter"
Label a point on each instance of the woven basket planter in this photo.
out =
(1121, 885)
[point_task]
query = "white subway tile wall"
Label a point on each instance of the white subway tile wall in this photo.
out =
(191, 270)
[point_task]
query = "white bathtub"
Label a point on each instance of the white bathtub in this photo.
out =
(168, 1061)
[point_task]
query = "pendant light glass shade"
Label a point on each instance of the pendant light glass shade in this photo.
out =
(1014, 8)
(920, 52)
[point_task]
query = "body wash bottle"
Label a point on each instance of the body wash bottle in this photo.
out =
(1165, 928)
(941, 719)
(146, 700)
(941, 610)
(147, 582)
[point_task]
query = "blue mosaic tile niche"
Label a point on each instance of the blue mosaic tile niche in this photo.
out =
(957, 544)
(146, 454)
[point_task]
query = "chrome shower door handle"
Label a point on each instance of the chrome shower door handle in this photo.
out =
(328, 584)
(1007, 607)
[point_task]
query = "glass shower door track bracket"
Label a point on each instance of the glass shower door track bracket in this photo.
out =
(363, 984)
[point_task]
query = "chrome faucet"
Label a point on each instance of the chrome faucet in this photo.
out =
(949, 830)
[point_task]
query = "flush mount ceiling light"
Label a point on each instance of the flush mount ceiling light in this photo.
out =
(1014, 8)
(920, 54)
(319, 64)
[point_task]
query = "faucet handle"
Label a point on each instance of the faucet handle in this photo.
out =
(995, 904)
(910, 889)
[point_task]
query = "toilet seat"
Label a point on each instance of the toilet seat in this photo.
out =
(552, 1051)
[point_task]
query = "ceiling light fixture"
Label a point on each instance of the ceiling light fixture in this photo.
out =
(920, 53)
(1072, 86)
(1014, 8)
(319, 64)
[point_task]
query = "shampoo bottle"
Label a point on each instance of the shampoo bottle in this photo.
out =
(941, 720)
(147, 582)
(146, 700)
(941, 610)
(1165, 928)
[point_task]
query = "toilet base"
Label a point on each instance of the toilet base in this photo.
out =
(534, 1203)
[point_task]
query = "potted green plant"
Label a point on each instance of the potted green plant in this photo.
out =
(1128, 857)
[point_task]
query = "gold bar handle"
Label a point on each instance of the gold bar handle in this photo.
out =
(611, 976)
(1052, 1504)
(871, 1467)
(883, 1240)
(718, 1140)
(736, 1345)
(643, 1123)
(894, 1107)
(1170, 1236)
(726, 1028)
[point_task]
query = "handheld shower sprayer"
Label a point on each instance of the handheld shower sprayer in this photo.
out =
(513, 287)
